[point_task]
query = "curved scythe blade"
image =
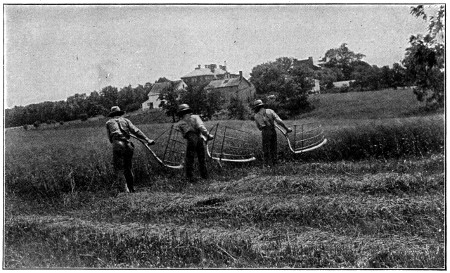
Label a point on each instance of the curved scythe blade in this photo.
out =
(176, 167)
(299, 151)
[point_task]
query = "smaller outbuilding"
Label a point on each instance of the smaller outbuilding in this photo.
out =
(342, 83)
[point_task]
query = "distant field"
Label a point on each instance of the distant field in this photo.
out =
(365, 105)
(372, 197)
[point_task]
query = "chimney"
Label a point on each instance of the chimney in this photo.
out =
(240, 75)
(198, 67)
(211, 67)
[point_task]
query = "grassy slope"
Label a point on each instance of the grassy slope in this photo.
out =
(365, 105)
(369, 213)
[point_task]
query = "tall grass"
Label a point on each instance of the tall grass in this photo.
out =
(55, 161)
(418, 137)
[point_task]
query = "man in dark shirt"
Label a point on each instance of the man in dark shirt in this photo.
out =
(119, 130)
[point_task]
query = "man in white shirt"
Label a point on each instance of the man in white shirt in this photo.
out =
(119, 130)
(265, 121)
(192, 127)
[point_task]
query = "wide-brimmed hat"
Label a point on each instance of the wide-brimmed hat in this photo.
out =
(257, 103)
(183, 109)
(115, 111)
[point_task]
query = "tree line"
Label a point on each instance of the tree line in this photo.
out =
(78, 106)
(287, 80)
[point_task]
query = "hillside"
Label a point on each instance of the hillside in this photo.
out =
(365, 105)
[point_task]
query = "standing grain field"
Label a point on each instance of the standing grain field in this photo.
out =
(373, 197)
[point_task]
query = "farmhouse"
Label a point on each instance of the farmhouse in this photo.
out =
(153, 101)
(209, 73)
(307, 62)
(238, 87)
(342, 83)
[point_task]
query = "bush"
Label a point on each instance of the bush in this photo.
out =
(133, 107)
(83, 117)
(238, 110)
(36, 124)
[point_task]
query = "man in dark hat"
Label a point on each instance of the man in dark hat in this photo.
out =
(265, 121)
(119, 132)
(192, 129)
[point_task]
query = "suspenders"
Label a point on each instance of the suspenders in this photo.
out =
(125, 134)
(266, 119)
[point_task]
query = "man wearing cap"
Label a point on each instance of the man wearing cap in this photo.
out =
(119, 130)
(265, 121)
(192, 129)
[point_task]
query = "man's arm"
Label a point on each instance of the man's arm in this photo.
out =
(108, 132)
(201, 126)
(138, 133)
(280, 122)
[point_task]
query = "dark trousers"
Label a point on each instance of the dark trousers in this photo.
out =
(195, 146)
(269, 143)
(122, 160)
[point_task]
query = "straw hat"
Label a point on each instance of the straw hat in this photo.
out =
(115, 111)
(257, 103)
(183, 109)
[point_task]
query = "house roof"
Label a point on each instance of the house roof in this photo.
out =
(204, 72)
(308, 62)
(223, 83)
(161, 86)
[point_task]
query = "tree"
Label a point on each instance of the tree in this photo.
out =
(169, 101)
(327, 76)
(200, 101)
(109, 96)
(214, 102)
(425, 59)
(125, 97)
(77, 105)
(288, 79)
(267, 78)
(341, 58)
(398, 75)
(237, 109)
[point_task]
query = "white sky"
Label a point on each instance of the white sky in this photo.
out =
(54, 51)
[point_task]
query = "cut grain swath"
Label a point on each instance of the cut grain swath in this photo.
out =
(305, 137)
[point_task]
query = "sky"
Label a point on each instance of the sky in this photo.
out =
(52, 52)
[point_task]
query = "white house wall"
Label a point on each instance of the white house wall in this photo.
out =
(152, 103)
